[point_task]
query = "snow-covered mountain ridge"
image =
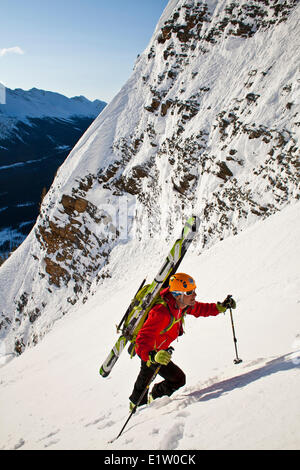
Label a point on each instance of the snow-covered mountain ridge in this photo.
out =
(208, 123)
(23, 104)
(38, 129)
(25, 111)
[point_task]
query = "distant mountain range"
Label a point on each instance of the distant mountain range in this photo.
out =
(37, 131)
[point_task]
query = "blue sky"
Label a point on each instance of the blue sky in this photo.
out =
(74, 47)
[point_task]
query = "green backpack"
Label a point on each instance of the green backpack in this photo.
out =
(158, 300)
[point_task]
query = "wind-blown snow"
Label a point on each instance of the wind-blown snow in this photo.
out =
(53, 398)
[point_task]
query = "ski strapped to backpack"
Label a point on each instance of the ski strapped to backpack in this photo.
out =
(172, 322)
(147, 296)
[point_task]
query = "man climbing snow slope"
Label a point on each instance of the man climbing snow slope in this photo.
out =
(163, 325)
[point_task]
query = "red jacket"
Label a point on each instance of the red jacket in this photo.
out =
(152, 336)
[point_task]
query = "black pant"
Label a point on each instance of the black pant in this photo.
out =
(174, 379)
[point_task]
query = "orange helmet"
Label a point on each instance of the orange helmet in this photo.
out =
(181, 282)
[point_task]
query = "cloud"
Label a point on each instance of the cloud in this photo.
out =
(11, 50)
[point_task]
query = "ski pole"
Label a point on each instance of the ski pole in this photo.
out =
(237, 360)
(140, 399)
(137, 404)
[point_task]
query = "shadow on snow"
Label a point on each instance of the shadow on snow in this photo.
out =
(280, 364)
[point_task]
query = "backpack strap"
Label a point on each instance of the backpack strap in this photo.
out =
(172, 321)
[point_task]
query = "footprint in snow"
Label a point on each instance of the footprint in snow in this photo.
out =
(49, 435)
(172, 438)
(106, 424)
(182, 414)
(154, 431)
(51, 443)
(19, 444)
(98, 420)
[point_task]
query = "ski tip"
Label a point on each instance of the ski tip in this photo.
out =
(192, 225)
(103, 373)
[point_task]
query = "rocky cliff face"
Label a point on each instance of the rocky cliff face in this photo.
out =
(208, 124)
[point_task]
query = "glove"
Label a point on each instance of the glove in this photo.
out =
(162, 357)
(221, 307)
(229, 302)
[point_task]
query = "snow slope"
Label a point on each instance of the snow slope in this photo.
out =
(53, 398)
(207, 123)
